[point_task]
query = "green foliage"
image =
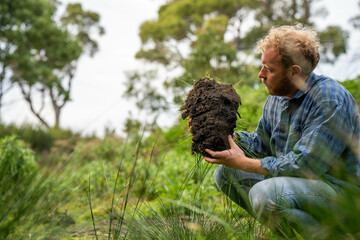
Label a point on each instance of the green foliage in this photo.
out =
(38, 138)
(152, 101)
(17, 163)
(41, 54)
(172, 195)
(108, 149)
(334, 43)
(183, 221)
(353, 86)
(83, 21)
(161, 192)
(216, 42)
(98, 158)
(102, 176)
(17, 172)
(252, 102)
(356, 20)
(29, 199)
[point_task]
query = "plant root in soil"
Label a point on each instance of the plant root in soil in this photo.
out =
(212, 108)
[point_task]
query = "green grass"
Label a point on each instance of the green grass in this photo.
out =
(111, 188)
(191, 209)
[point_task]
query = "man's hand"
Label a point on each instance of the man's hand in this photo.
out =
(235, 158)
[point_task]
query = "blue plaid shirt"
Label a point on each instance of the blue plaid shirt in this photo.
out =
(314, 134)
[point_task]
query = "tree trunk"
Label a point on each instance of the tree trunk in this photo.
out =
(56, 107)
(293, 9)
(28, 99)
(270, 12)
(4, 52)
(57, 111)
(306, 6)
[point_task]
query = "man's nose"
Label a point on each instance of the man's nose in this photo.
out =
(262, 73)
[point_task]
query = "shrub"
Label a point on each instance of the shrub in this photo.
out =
(26, 196)
(353, 86)
(17, 172)
(38, 138)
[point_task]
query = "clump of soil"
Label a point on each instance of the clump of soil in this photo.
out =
(212, 108)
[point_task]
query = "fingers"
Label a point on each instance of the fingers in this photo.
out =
(217, 154)
(212, 160)
(232, 142)
(225, 157)
(209, 151)
(190, 128)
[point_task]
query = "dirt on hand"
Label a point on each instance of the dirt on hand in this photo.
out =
(212, 108)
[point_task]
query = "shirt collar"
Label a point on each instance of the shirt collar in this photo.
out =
(308, 85)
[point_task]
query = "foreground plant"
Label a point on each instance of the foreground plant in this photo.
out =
(27, 195)
(177, 216)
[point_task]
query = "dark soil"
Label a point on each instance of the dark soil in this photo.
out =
(212, 108)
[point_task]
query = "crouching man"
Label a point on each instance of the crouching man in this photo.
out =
(305, 147)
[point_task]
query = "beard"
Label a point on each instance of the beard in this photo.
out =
(283, 87)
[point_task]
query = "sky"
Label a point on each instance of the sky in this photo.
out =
(97, 101)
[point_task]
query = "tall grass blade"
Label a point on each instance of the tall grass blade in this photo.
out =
(114, 190)
(130, 179)
(142, 188)
(88, 194)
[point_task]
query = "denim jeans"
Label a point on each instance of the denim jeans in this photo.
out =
(282, 203)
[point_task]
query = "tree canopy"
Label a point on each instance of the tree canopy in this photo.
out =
(218, 38)
(40, 52)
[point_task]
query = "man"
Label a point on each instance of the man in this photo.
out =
(306, 145)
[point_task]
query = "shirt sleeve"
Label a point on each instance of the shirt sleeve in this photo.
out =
(324, 136)
(253, 144)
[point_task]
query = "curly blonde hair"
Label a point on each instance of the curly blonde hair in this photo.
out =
(297, 45)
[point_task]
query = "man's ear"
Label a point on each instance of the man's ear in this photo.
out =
(296, 70)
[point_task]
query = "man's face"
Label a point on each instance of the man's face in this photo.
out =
(277, 79)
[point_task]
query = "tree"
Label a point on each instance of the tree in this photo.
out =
(5, 83)
(218, 37)
(11, 20)
(356, 20)
(44, 53)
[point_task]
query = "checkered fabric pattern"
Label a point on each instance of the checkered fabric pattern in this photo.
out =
(314, 134)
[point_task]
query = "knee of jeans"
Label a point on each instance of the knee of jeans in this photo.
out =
(261, 199)
(219, 177)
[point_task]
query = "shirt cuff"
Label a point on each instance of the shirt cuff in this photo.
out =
(269, 164)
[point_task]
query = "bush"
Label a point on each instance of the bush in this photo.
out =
(38, 138)
(252, 102)
(26, 196)
(17, 172)
(353, 86)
